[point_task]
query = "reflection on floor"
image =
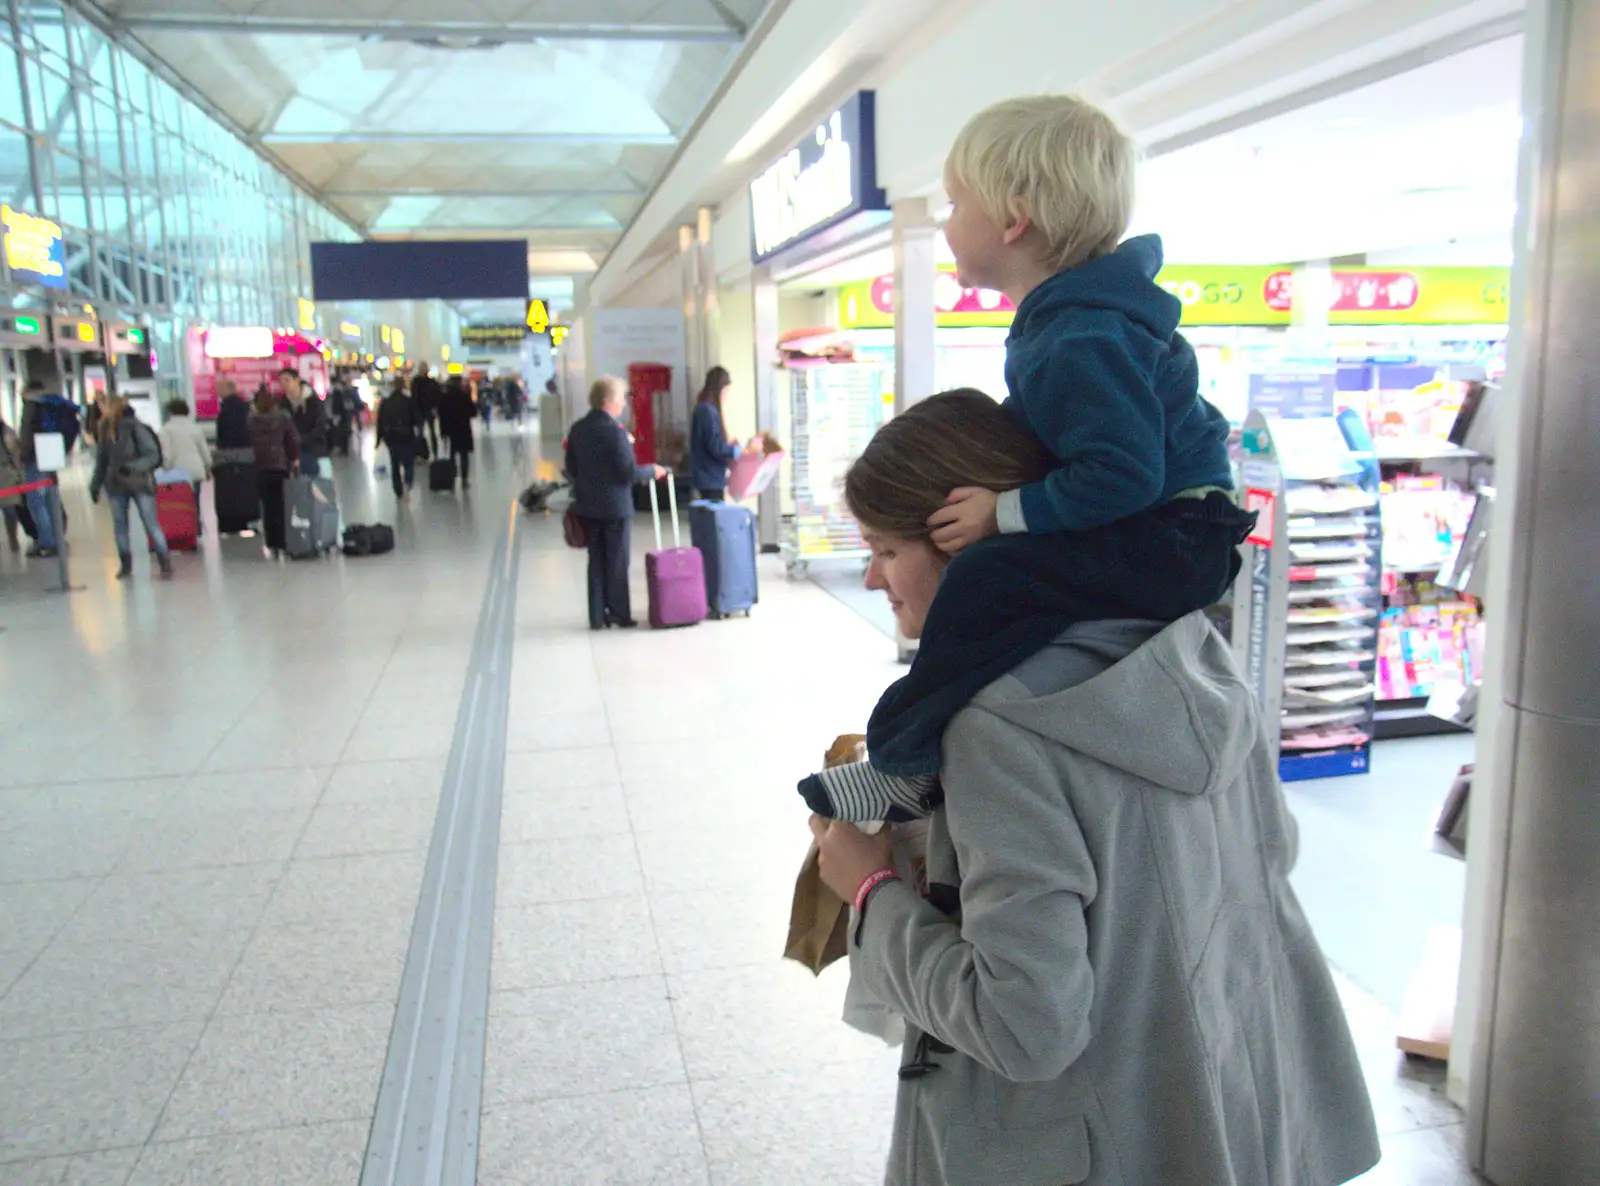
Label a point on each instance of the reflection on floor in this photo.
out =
(1368, 876)
(215, 801)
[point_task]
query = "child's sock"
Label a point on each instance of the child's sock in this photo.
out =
(858, 793)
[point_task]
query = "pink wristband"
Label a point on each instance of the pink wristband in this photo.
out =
(872, 882)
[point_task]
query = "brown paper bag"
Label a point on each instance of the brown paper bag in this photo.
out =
(819, 920)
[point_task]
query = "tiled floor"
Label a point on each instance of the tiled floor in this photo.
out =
(215, 802)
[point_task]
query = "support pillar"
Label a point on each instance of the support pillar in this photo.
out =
(1531, 966)
(764, 297)
(915, 270)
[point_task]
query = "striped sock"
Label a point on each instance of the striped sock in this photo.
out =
(859, 793)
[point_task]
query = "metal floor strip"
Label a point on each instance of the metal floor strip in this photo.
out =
(425, 1130)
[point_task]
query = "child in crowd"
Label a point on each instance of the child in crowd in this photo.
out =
(1137, 519)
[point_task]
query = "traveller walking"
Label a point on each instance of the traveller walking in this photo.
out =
(426, 391)
(183, 446)
(456, 415)
(276, 442)
(601, 466)
(125, 464)
(399, 426)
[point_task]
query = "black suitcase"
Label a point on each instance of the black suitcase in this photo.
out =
(236, 495)
(442, 474)
(310, 517)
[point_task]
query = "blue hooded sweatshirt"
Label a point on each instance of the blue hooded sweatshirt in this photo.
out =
(1098, 371)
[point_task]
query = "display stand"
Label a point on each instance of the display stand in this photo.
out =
(1306, 606)
(835, 409)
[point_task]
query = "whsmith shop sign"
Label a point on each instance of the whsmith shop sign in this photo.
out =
(1247, 295)
(829, 177)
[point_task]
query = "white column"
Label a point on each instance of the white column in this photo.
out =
(764, 297)
(915, 269)
(694, 339)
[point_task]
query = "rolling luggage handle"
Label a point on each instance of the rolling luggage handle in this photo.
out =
(655, 511)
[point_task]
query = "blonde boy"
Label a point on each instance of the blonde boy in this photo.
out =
(1135, 521)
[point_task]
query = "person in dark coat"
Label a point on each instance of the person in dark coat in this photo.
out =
(310, 420)
(426, 391)
(277, 449)
(601, 465)
(456, 413)
(233, 417)
(399, 426)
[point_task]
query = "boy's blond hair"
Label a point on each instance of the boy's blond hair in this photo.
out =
(1057, 159)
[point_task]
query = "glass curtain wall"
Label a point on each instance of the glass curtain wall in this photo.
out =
(169, 219)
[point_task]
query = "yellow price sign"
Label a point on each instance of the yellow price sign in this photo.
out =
(538, 319)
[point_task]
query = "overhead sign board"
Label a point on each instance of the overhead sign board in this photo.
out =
(538, 318)
(828, 177)
(125, 338)
(34, 249)
(503, 336)
(350, 329)
(308, 314)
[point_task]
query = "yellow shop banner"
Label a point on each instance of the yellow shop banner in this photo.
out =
(1222, 294)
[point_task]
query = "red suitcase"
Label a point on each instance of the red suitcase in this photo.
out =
(675, 576)
(179, 516)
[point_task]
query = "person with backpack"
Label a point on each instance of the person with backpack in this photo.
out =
(125, 464)
(43, 413)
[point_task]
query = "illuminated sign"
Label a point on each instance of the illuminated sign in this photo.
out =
(494, 337)
(397, 341)
(444, 353)
(538, 319)
(455, 368)
(1227, 294)
(135, 334)
(349, 329)
(308, 313)
(73, 333)
(383, 332)
(558, 334)
(26, 325)
(828, 177)
(239, 341)
(34, 249)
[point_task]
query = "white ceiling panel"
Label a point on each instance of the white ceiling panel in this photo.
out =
(551, 117)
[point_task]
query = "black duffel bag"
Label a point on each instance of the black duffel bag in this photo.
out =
(362, 539)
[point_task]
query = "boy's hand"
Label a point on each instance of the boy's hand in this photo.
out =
(967, 516)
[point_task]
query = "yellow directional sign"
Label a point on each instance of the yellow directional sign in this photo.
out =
(538, 319)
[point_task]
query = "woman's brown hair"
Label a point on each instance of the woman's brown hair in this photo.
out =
(956, 438)
(265, 401)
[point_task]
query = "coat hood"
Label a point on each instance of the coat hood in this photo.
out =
(1123, 282)
(1165, 705)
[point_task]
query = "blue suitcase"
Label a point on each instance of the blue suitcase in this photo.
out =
(726, 537)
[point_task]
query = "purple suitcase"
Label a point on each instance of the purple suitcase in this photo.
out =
(675, 576)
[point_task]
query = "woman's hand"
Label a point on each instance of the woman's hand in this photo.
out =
(849, 855)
